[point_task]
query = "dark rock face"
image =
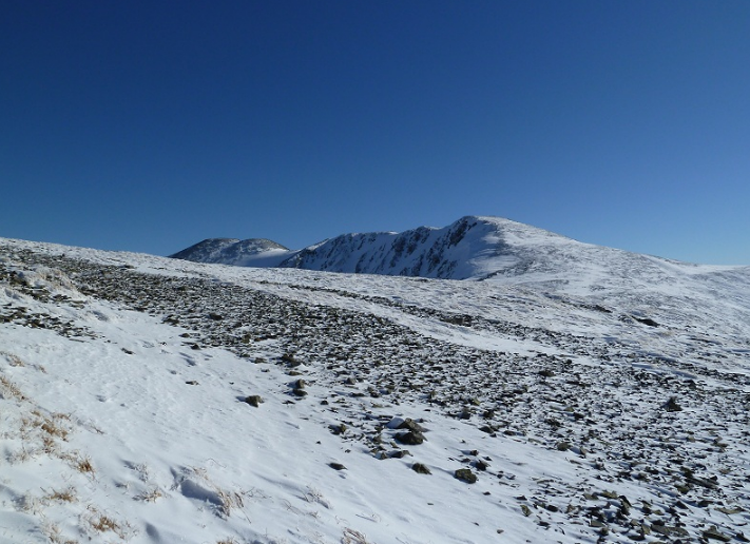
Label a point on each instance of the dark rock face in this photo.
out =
(423, 252)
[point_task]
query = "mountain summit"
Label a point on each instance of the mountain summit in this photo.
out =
(472, 247)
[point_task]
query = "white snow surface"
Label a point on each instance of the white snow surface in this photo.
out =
(600, 400)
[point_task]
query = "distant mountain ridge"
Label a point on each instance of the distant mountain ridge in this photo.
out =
(459, 251)
(474, 247)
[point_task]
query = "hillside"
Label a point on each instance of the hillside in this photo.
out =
(154, 400)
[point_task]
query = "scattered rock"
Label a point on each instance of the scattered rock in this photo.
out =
(254, 400)
(411, 438)
(411, 425)
(712, 533)
(398, 454)
(646, 321)
(672, 406)
(338, 429)
(667, 530)
(465, 475)
(289, 359)
(419, 468)
(480, 465)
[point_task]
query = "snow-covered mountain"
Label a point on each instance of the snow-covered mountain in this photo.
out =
(477, 248)
(232, 251)
(472, 247)
(577, 394)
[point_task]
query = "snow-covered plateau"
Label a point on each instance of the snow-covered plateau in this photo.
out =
(564, 393)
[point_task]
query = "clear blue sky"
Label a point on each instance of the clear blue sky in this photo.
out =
(151, 125)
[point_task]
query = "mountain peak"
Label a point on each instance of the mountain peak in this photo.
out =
(471, 247)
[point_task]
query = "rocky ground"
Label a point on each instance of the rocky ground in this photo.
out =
(657, 445)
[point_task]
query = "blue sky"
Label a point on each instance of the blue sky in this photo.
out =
(149, 126)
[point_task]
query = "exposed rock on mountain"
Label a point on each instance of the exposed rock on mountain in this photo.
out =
(453, 252)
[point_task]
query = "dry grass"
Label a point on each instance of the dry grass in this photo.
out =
(229, 500)
(40, 432)
(16, 361)
(150, 496)
(84, 465)
(13, 360)
(9, 388)
(314, 496)
(81, 463)
(353, 537)
(63, 495)
(53, 429)
(49, 446)
(102, 523)
(28, 503)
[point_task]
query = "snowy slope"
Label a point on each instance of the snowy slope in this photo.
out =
(588, 410)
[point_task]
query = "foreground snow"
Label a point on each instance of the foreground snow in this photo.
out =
(124, 381)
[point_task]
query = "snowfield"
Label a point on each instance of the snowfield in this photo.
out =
(154, 400)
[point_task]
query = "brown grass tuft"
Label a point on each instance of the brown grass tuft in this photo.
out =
(353, 537)
(9, 388)
(63, 495)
